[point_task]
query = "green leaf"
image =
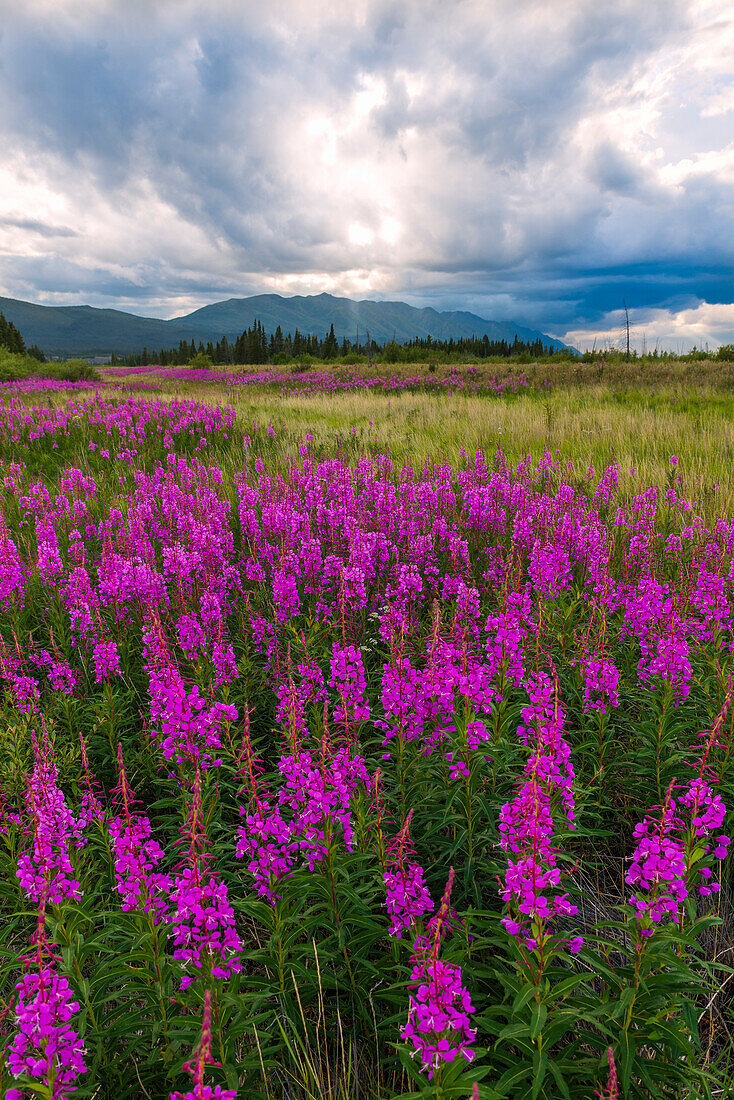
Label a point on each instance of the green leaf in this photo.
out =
(559, 1079)
(537, 1021)
(526, 994)
(540, 1064)
(625, 1059)
(511, 1078)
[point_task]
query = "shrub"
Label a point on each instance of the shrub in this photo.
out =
(73, 370)
(305, 362)
(200, 361)
(15, 368)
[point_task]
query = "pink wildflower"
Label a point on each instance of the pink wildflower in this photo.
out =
(407, 895)
(439, 1006)
(45, 1050)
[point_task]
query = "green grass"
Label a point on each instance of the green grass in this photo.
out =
(16, 368)
(308, 1055)
(638, 428)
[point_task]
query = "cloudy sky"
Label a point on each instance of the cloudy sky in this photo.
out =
(542, 162)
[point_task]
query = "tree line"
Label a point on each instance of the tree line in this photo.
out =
(255, 345)
(12, 341)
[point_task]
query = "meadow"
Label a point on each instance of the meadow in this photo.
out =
(368, 739)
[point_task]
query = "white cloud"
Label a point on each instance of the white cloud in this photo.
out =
(520, 158)
(706, 326)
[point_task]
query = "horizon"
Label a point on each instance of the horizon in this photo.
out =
(248, 297)
(639, 343)
(227, 327)
(540, 167)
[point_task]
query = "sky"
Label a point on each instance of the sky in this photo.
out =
(540, 162)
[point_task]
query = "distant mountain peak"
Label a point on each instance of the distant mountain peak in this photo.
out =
(87, 330)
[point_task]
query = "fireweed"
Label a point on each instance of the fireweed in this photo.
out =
(311, 810)
(137, 854)
(533, 878)
(491, 648)
(202, 920)
(407, 897)
(188, 729)
(677, 847)
(202, 1058)
(45, 869)
(438, 1024)
(45, 1051)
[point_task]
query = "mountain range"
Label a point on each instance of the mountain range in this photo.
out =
(86, 330)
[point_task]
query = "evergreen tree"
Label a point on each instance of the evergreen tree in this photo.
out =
(330, 348)
(10, 337)
(255, 345)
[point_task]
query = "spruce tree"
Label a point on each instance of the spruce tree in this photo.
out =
(10, 337)
(330, 348)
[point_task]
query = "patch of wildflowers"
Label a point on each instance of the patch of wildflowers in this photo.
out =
(439, 1006)
(188, 730)
(202, 920)
(531, 884)
(45, 869)
(12, 572)
(45, 1049)
(106, 661)
(407, 896)
(600, 677)
(137, 855)
(349, 683)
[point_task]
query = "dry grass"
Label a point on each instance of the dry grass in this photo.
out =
(636, 415)
(594, 426)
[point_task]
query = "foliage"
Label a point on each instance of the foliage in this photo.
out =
(356, 779)
(10, 337)
(255, 345)
(71, 370)
(200, 361)
(18, 367)
(15, 366)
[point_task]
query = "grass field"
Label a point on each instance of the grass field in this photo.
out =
(348, 753)
(636, 419)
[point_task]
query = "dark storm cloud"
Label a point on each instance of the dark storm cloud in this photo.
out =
(533, 161)
(41, 229)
